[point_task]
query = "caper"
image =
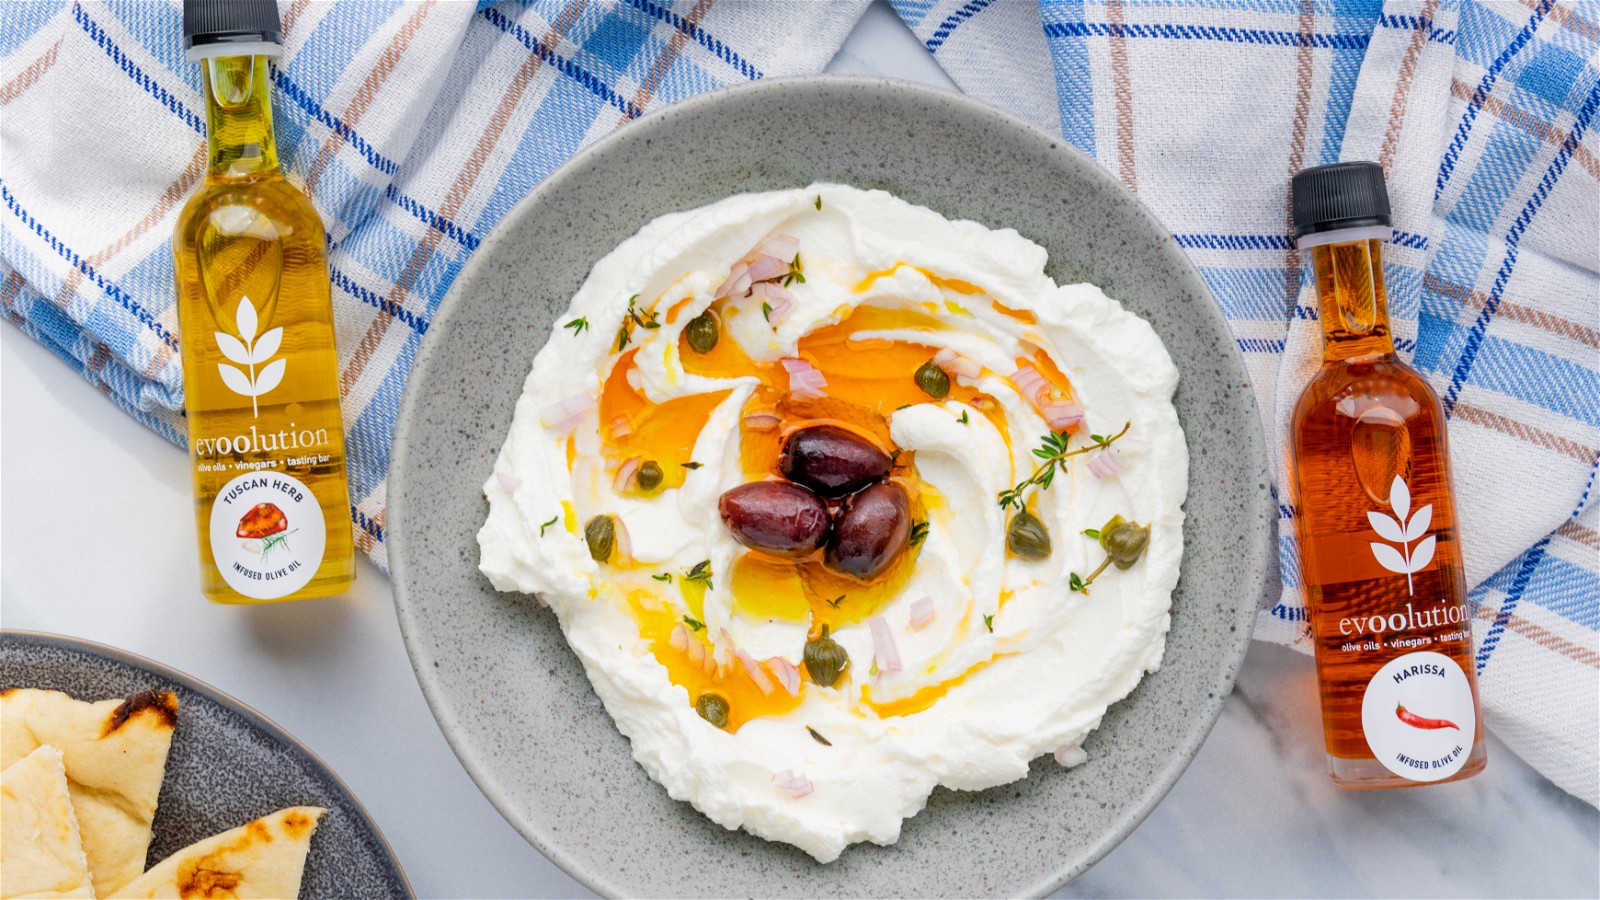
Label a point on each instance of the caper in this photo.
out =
(601, 536)
(702, 332)
(934, 381)
(1124, 542)
(713, 708)
(1027, 537)
(825, 659)
(649, 475)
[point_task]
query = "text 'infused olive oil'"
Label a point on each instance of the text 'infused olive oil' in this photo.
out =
(261, 377)
(1375, 515)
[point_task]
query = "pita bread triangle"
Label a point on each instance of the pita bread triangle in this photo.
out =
(261, 859)
(41, 854)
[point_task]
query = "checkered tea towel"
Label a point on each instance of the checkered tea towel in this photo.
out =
(1483, 115)
(414, 126)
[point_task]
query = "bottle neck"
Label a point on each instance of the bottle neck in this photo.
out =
(238, 117)
(1352, 305)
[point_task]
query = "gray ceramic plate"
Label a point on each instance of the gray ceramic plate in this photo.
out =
(513, 700)
(228, 764)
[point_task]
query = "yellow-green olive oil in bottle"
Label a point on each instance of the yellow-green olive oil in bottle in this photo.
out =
(261, 375)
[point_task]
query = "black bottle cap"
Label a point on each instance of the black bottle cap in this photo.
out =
(1342, 195)
(230, 22)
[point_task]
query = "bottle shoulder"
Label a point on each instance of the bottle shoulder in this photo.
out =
(256, 206)
(1382, 378)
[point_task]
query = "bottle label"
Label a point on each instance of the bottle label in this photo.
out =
(1418, 716)
(267, 534)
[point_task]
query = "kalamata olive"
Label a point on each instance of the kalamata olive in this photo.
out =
(776, 516)
(832, 461)
(873, 529)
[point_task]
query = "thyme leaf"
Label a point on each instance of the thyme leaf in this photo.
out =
(664, 576)
(694, 623)
(836, 601)
(816, 735)
(819, 203)
(701, 573)
(963, 419)
(919, 532)
(988, 622)
(545, 525)
(577, 325)
(691, 466)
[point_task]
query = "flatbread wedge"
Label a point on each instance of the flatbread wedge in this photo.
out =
(41, 854)
(115, 754)
(261, 859)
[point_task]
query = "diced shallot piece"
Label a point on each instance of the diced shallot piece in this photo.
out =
(1070, 755)
(679, 639)
(805, 382)
(565, 415)
(1104, 464)
(766, 268)
(724, 651)
(787, 674)
(779, 300)
(883, 646)
(783, 246)
(619, 428)
(624, 546)
(695, 650)
(625, 473)
(921, 613)
(757, 674)
(737, 282)
(1059, 413)
(956, 364)
(508, 482)
(795, 784)
(762, 422)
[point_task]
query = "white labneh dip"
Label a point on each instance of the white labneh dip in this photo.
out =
(966, 660)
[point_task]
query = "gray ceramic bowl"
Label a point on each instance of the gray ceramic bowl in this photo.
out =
(513, 700)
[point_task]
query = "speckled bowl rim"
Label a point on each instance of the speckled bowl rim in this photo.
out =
(440, 704)
(228, 702)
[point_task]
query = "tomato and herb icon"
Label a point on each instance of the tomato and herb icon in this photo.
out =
(1416, 721)
(264, 529)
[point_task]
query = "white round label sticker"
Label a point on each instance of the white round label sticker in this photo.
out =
(267, 534)
(1418, 716)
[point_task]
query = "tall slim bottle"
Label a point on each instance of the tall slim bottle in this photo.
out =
(1379, 553)
(261, 376)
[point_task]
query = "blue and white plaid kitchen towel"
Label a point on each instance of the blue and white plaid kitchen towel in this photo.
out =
(1483, 114)
(417, 125)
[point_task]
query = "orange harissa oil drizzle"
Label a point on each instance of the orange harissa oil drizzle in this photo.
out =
(867, 381)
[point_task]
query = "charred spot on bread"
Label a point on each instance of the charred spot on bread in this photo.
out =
(297, 823)
(162, 704)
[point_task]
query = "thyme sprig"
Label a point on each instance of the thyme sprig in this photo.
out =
(577, 325)
(1054, 452)
(919, 532)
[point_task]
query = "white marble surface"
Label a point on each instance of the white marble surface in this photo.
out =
(1253, 816)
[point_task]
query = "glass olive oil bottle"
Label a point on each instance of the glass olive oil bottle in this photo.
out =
(261, 376)
(1379, 552)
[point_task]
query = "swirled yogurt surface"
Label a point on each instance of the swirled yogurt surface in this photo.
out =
(966, 660)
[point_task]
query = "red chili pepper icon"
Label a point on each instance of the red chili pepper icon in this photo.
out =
(1416, 721)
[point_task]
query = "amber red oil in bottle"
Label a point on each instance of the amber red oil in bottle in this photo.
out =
(1380, 553)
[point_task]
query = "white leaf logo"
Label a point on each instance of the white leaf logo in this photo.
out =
(1407, 560)
(250, 352)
